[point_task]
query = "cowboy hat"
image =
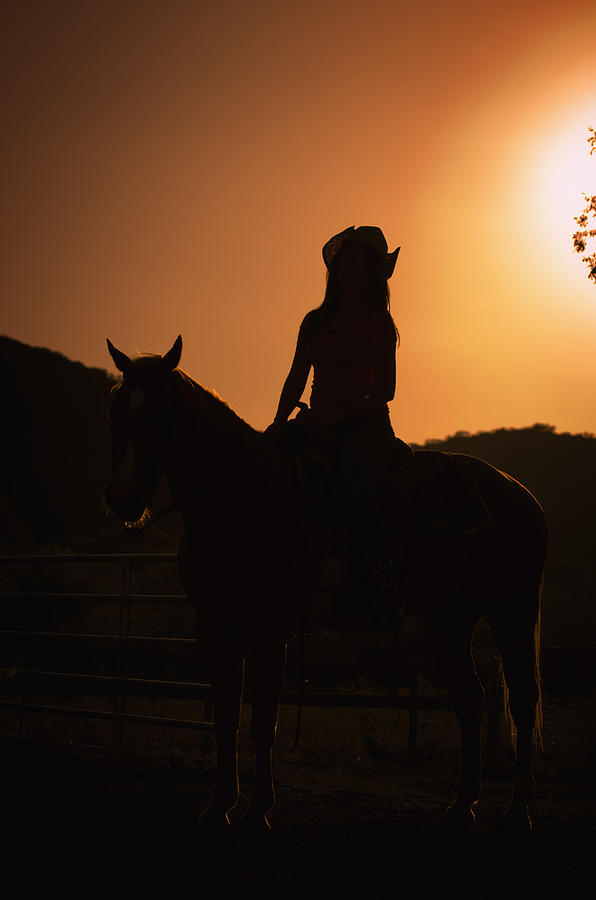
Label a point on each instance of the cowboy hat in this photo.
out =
(370, 237)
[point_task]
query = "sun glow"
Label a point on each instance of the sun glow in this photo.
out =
(565, 173)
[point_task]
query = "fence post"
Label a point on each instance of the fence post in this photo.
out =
(413, 709)
(122, 655)
(26, 689)
(208, 716)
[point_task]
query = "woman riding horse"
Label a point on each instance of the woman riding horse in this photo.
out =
(238, 563)
(350, 341)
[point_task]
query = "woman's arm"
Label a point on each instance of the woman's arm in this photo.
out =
(295, 382)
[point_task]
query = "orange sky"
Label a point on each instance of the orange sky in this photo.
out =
(177, 166)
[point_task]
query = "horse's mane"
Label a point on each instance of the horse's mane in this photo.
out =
(208, 403)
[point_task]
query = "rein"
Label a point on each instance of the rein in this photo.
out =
(152, 516)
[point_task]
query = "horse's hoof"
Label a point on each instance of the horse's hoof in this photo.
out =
(458, 820)
(212, 826)
(515, 827)
(251, 825)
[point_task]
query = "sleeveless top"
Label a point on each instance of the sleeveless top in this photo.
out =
(344, 373)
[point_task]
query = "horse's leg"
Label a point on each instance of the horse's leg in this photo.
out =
(267, 669)
(518, 651)
(451, 638)
(227, 680)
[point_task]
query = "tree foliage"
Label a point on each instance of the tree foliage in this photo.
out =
(585, 233)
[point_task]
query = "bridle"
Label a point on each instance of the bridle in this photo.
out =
(151, 515)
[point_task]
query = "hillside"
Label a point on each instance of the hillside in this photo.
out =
(559, 469)
(56, 453)
(55, 450)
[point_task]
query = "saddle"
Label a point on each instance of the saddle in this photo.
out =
(424, 495)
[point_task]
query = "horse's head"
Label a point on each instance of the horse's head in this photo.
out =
(142, 416)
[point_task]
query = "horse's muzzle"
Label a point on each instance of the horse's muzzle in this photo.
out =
(127, 509)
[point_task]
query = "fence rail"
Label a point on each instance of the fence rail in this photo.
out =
(121, 686)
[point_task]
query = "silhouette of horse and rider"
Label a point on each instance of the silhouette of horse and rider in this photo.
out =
(444, 535)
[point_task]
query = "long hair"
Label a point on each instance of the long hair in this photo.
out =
(377, 295)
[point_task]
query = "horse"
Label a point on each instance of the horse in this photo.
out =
(237, 495)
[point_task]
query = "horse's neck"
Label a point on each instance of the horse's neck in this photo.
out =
(212, 443)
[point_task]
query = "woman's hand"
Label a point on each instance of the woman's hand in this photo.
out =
(275, 429)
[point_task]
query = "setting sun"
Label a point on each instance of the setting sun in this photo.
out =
(190, 189)
(565, 171)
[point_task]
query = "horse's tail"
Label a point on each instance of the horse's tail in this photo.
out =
(534, 649)
(539, 723)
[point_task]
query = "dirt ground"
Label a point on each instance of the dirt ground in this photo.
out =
(353, 828)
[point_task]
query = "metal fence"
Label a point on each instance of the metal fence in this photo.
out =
(24, 679)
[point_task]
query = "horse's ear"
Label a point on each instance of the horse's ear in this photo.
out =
(121, 359)
(172, 357)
